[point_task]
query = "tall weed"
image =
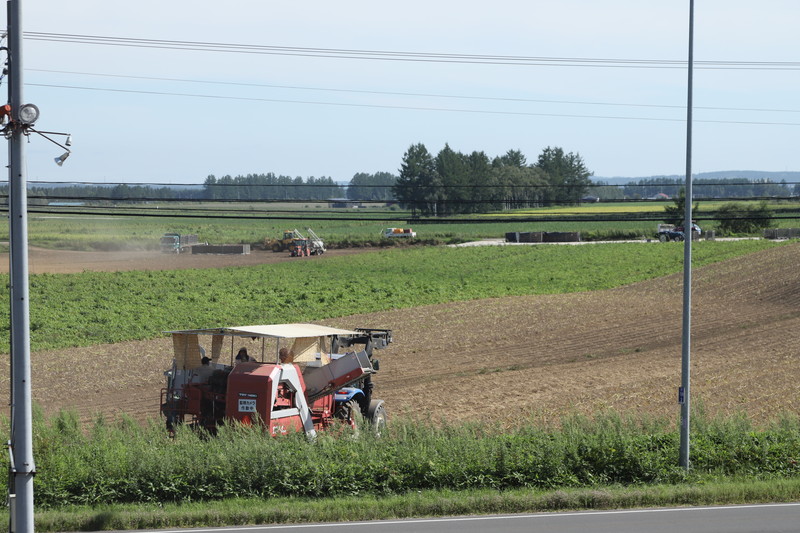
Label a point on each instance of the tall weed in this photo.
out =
(123, 462)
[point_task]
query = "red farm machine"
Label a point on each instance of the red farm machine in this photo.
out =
(302, 246)
(305, 377)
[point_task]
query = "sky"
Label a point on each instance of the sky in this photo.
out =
(408, 72)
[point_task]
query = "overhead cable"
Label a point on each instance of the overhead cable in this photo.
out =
(387, 55)
(413, 94)
(411, 108)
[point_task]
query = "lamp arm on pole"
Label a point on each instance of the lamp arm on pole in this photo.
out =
(42, 133)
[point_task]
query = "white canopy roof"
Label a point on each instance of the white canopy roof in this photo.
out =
(282, 331)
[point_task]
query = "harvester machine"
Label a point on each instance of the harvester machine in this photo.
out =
(317, 247)
(304, 377)
(312, 245)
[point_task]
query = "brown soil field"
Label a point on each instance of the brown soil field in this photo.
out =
(42, 260)
(513, 359)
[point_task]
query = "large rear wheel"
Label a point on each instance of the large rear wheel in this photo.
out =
(377, 416)
(349, 413)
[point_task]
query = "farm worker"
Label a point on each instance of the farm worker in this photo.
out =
(204, 372)
(286, 355)
(242, 356)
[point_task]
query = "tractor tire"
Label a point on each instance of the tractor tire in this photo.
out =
(663, 237)
(350, 414)
(376, 414)
(276, 247)
(679, 238)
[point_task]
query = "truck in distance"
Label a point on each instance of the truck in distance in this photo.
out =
(176, 243)
(394, 233)
(668, 232)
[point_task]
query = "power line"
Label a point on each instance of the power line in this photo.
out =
(408, 220)
(440, 201)
(666, 183)
(411, 108)
(247, 213)
(425, 95)
(387, 55)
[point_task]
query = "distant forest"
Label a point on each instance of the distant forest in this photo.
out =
(257, 187)
(650, 188)
(252, 187)
(449, 182)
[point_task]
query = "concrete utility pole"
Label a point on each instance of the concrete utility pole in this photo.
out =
(22, 117)
(683, 392)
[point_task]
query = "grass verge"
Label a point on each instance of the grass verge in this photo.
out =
(428, 503)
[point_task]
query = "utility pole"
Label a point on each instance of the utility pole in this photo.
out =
(683, 392)
(21, 445)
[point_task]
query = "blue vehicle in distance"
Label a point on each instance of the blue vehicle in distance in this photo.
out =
(669, 232)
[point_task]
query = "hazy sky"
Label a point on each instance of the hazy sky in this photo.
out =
(144, 114)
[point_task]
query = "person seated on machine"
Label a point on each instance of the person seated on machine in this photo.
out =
(242, 356)
(286, 356)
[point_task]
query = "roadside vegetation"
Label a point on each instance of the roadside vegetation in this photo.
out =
(122, 475)
(105, 307)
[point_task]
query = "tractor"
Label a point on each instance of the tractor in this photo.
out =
(283, 244)
(304, 377)
(299, 248)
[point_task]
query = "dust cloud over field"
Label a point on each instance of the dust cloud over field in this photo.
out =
(511, 358)
(42, 260)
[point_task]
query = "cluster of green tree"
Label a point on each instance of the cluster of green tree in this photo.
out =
(704, 188)
(270, 187)
(452, 182)
(731, 217)
(735, 217)
(372, 187)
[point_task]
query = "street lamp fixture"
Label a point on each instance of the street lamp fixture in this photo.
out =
(28, 114)
(63, 157)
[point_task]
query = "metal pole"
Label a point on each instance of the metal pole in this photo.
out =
(21, 433)
(683, 394)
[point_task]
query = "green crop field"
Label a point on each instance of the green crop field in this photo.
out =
(100, 307)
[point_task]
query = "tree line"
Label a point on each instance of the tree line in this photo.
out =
(702, 188)
(270, 186)
(252, 187)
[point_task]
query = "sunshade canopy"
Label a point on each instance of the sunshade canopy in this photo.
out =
(278, 331)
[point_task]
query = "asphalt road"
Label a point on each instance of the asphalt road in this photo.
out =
(767, 518)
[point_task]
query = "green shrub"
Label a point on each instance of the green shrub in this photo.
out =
(738, 217)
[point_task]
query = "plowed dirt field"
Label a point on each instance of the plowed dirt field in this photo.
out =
(533, 356)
